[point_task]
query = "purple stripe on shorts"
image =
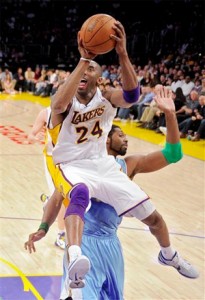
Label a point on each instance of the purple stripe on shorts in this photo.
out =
(133, 207)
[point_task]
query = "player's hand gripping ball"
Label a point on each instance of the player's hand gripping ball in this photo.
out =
(95, 34)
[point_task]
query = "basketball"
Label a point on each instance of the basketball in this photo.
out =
(95, 33)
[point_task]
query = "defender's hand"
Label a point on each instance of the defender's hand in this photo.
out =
(34, 237)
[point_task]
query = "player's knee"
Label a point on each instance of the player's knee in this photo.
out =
(79, 200)
(80, 195)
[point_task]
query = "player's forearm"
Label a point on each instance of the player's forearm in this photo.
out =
(129, 76)
(66, 92)
(50, 215)
(172, 136)
(51, 210)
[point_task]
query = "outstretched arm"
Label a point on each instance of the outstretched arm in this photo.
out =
(50, 213)
(38, 126)
(172, 150)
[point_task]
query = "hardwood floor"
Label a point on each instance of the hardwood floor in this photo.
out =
(177, 191)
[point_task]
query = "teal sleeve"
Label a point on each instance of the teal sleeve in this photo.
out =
(172, 152)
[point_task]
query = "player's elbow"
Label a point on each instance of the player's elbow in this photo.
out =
(172, 152)
(177, 157)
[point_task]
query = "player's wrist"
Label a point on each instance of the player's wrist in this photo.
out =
(44, 226)
(170, 113)
(85, 59)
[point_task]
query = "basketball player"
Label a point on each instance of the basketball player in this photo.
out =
(81, 118)
(38, 134)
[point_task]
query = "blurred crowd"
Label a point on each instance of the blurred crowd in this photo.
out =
(44, 31)
(183, 74)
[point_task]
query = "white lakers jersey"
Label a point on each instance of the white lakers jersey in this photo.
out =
(84, 131)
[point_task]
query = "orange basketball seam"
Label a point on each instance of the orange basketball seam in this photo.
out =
(96, 31)
(93, 46)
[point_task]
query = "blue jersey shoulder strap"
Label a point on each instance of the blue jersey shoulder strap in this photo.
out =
(122, 163)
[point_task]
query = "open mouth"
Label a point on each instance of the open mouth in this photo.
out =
(83, 83)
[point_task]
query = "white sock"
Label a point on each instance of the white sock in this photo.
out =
(74, 251)
(168, 252)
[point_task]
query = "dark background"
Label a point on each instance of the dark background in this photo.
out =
(44, 32)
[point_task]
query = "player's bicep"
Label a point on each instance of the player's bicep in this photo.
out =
(152, 162)
(145, 163)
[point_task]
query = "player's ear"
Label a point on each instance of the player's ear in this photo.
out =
(100, 80)
(108, 141)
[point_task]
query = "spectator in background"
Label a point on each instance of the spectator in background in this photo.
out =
(162, 80)
(140, 76)
(41, 83)
(146, 101)
(203, 86)
(37, 74)
(187, 86)
(52, 79)
(5, 73)
(197, 86)
(193, 123)
(148, 115)
(105, 72)
(147, 78)
(8, 85)
(113, 73)
(20, 80)
(30, 81)
(179, 102)
(186, 111)
(200, 132)
(179, 99)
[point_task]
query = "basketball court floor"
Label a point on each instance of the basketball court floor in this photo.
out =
(177, 191)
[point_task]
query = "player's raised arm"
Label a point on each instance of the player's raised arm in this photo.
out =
(131, 91)
(66, 92)
(172, 152)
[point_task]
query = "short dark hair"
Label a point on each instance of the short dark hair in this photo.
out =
(112, 130)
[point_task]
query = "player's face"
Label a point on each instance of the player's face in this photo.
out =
(88, 82)
(118, 143)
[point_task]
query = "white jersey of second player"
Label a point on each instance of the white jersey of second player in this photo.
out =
(84, 131)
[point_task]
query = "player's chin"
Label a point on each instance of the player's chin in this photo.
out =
(82, 87)
(82, 90)
(123, 151)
